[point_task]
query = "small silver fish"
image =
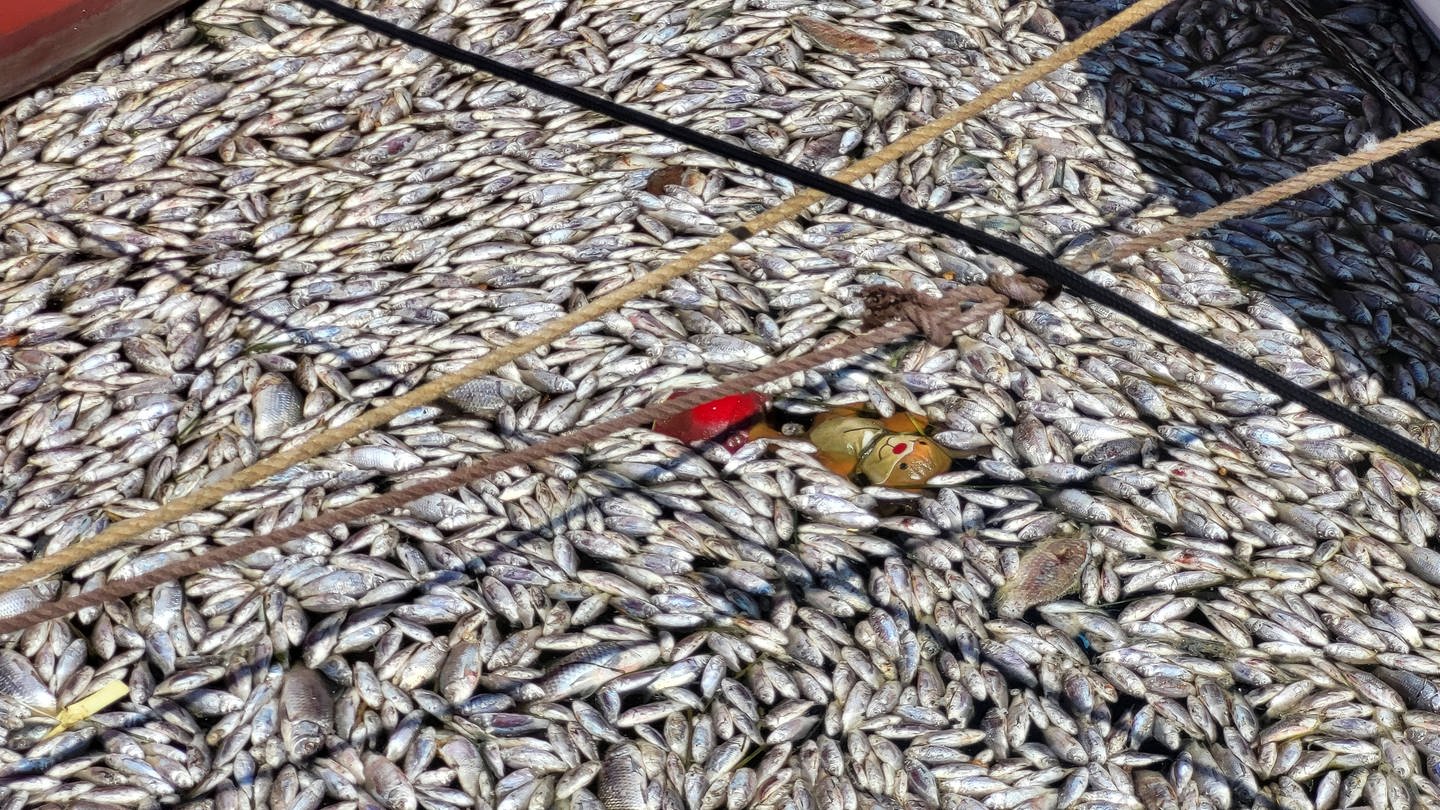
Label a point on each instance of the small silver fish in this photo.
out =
(588, 669)
(307, 712)
(19, 680)
(276, 403)
(622, 779)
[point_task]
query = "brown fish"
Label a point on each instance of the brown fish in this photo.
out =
(837, 38)
(1047, 572)
(682, 176)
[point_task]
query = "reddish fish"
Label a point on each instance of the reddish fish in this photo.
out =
(840, 39)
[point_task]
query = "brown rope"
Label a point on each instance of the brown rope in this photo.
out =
(206, 496)
(884, 304)
(951, 308)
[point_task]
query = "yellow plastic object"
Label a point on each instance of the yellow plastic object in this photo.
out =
(88, 705)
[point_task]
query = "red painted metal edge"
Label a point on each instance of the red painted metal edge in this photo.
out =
(42, 40)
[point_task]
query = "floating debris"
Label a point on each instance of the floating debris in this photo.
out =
(80, 710)
(890, 452)
(725, 421)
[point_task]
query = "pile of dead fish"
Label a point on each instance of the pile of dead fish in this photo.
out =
(1130, 581)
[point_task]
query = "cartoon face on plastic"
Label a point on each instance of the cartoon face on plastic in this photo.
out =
(903, 460)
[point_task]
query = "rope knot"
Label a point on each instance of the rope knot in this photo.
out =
(938, 319)
(1021, 290)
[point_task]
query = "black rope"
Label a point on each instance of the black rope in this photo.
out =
(1040, 266)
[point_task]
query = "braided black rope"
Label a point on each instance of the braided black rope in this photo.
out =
(1043, 267)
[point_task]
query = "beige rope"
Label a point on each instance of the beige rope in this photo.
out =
(206, 496)
(1264, 198)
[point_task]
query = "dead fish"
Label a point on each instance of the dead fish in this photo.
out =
(277, 406)
(19, 680)
(622, 779)
(1045, 573)
(307, 712)
(837, 38)
(487, 395)
(587, 669)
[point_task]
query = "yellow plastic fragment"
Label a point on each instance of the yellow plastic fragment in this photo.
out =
(88, 705)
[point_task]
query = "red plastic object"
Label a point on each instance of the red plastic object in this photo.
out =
(724, 419)
(42, 40)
